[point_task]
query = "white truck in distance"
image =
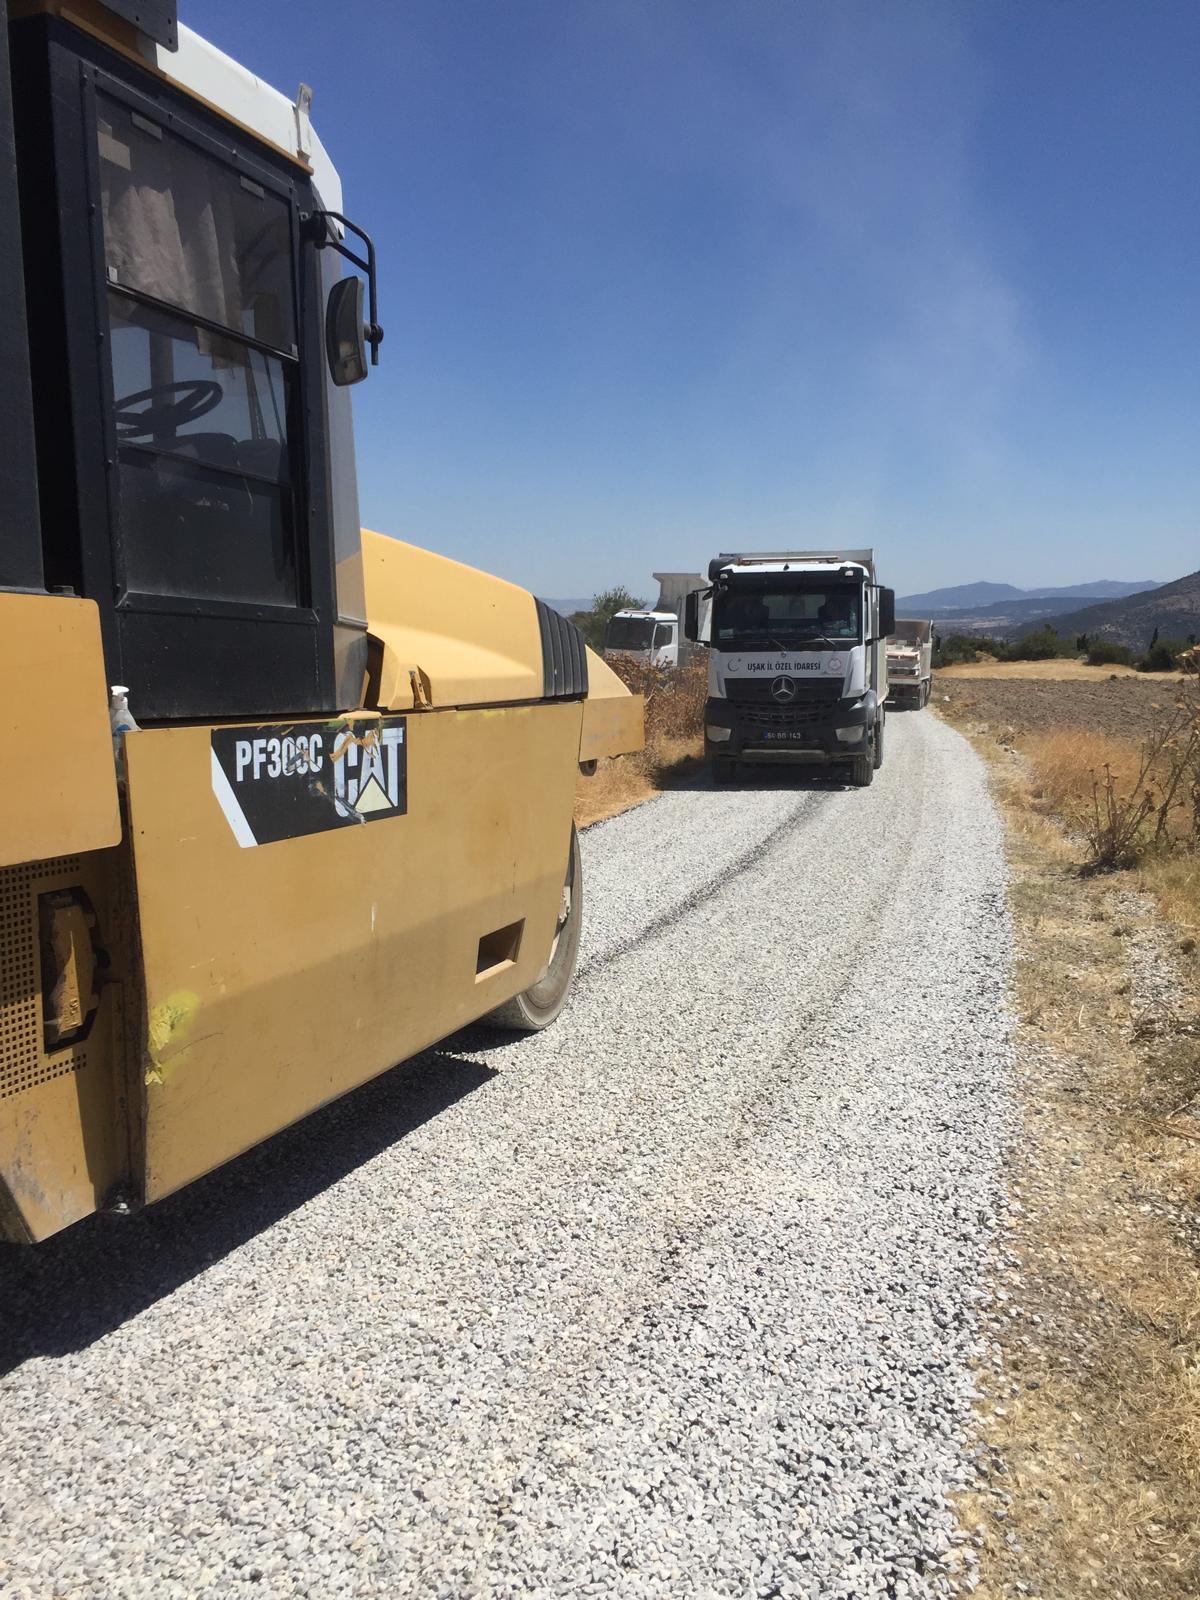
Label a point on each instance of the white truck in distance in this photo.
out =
(797, 665)
(649, 636)
(910, 662)
(653, 636)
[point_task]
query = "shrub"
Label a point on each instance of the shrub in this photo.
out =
(956, 647)
(947, 652)
(1162, 656)
(1108, 653)
(674, 697)
(1043, 644)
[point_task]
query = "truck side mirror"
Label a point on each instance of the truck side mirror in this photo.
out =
(887, 612)
(345, 332)
(691, 615)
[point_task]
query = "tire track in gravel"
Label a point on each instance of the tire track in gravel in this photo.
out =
(753, 1096)
(803, 812)
(672, 1230)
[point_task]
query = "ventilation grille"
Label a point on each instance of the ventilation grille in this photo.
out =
(23, 1065)
(564, 658)
(809, 691)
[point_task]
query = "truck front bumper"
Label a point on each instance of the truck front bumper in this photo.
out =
(817, 734)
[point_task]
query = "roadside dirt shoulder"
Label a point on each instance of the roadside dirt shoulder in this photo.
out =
(1122, 706)
(1089, 1421)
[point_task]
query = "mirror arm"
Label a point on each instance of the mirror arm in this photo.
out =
(317, 224)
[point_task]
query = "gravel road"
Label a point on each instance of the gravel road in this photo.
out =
(676, 1299)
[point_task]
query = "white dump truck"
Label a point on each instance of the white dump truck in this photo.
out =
(797, 665)
(910, 662)
(655, 636)
(649, 636)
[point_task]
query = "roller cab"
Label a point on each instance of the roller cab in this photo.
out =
(339, 826)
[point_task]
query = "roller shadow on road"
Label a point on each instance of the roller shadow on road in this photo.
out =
(62, 1295)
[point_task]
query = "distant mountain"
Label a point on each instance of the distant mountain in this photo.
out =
(1103, 588)
(1172, 608)
(962, 597)
(971, 598)
(566, 607)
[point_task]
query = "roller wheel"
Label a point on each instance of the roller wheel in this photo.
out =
(537, 1006)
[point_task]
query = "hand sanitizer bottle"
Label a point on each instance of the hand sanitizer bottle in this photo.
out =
(121, 719)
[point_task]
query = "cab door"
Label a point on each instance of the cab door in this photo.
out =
(188, 495)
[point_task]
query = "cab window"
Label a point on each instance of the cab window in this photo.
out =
(203, 365)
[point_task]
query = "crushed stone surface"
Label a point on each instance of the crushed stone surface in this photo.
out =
(676, 1298)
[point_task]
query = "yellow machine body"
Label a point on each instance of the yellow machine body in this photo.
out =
(220, 989)
(278, 976)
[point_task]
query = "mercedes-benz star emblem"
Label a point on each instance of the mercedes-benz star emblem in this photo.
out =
(783, 690)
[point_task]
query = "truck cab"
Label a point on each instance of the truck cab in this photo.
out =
(651, 637)
(797, 660)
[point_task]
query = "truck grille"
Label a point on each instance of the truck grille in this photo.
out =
(784, 716)
(823, 692)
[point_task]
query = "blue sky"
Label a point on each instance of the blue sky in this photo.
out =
(663, 277)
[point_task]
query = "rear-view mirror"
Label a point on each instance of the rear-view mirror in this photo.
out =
(887, 612)
(345, 332)
(691, 615)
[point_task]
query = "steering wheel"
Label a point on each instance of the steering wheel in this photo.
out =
(196, 398)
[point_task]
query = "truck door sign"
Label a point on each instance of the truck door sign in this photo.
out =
(284, 780)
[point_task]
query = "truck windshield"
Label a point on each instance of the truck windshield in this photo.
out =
(629, 633)
(760, 616)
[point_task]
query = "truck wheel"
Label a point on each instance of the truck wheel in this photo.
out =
(537, 1006)
(926, 688)
(877, 744)
(723, 769)
(862, 769)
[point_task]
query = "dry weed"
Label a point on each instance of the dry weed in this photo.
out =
(1129, 801)
(674, 710)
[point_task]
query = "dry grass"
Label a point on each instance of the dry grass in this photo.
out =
(1061, 670)
(1062, 759)
(674, 741)
(1175, 883)
(1093, 1423)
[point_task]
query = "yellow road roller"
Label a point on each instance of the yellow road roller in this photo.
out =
(287, 801)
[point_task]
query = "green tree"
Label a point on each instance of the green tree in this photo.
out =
(1043, 644)
(1162, 656)
(592, 622)
(950, 649)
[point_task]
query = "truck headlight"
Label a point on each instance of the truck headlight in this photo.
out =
(851, 735)
(717, 735)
